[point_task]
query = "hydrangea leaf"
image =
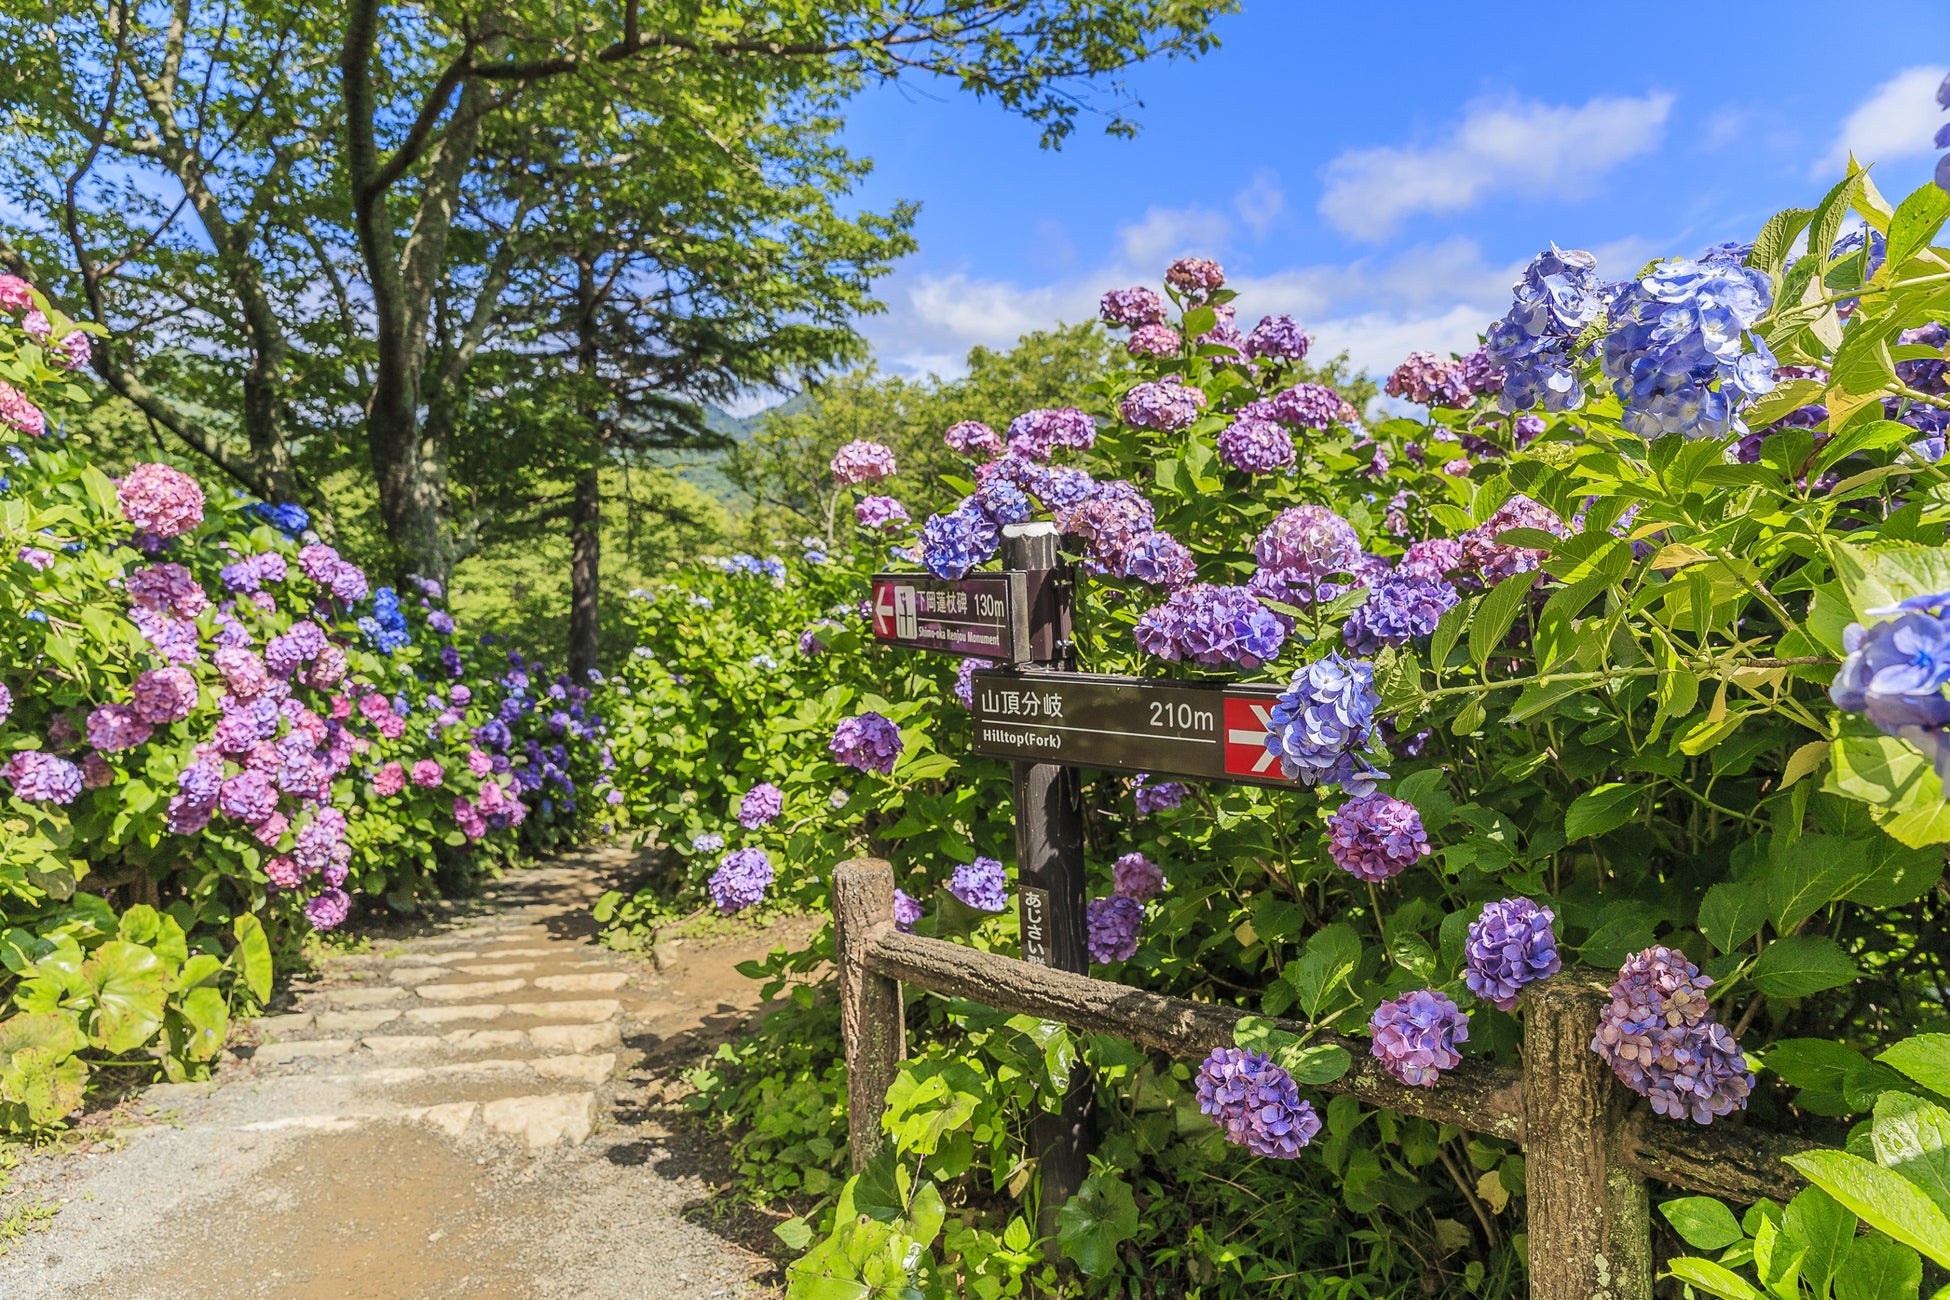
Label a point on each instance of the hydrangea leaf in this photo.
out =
(1732, 913)
(1924, 1058)
(1877, 1269)
(1795, 966)
(1599, 810)
(130, 986)
(1093, 1223)
(1912, 1137)
(1702, 1222)
(1881, 1198)
(1824, 1229)
(252, 956)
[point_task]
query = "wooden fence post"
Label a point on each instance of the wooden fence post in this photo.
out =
(872, 1020)
(1590, 1226)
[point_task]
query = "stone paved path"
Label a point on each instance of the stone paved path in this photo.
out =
(467, 1113)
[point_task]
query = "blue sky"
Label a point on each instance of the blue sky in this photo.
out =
(1382, 171)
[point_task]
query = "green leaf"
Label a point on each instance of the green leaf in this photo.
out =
(1495, 614)
(1801, 964)
(207, 1018)
(1316, 1064)
(1817, 1064)
(1877, 1269)
(1912, 1137)
(130, 986)
(1924, 1058)
(1882, 1198)
(1447, 628)
(1603, 809)
(1873, 436)
(1095, 1222)
(1776, 239)
(1330, 959)
(1732, 913)
(1918, 219)
(1712, 1279)
(1809, 874)
(795, 1233)
(1824, 1230)
(1702, 1222)
(252, 956)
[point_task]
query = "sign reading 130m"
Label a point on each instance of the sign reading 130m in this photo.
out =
(1008, 617)
(1211, 730)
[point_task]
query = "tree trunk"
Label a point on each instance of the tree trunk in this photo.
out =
(585, 573)
(586, 511)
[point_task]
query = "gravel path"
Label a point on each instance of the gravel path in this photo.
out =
(474, 1112)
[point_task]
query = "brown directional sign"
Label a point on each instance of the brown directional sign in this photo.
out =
(1010, 617)
(1215, 731)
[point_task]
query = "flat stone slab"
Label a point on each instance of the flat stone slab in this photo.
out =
(586, 1010)
(398, 1044)
(482, 1040)
(498, 968)
(362, 997)
(541, 1122)
(522, 952)
(452, 1118)
(465, 992)
(594, 982)
(356, 1022)
(310, 1123)
(408, 976)
(595, 1068)
(575, 1038)
(275, 1027)
(278, 1053)
(447, 1015)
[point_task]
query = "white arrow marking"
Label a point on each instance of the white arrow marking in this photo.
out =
(1239, 736)
(884, 610)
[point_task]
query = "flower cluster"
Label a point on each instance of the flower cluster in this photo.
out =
(761, 806)
(956, 542)
(1431, 380)
(1681, 353)
(160, 501)
(1537, 343)
(1491, 561)
(1400, 607)
(868, 742)
(1166, 406)
(1278, 338)
(1304, 546)
(1111, 927)
(1509, 945)
(1154, 341)
(981, 884)
(1034, 435)
(385, 628)
(1375, 837)
(881, 514)
(1256, 1102)
(973, 438)
(1211, 625)
(1415, 1036)
(741, 880)
(1660, 1038)
(907, 911)
(1132, 308)
(965, 679)
(1151, 796)
(1256, 446)
(1195, 278)
(860, 461)
(1323, 721)
(1895, 673)
(1136, 876)
(1943, 137)
(288, 518)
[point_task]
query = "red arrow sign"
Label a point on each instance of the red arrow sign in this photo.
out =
(883, 609)
(1248, 723)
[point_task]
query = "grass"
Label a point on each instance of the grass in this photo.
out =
(18, 1217)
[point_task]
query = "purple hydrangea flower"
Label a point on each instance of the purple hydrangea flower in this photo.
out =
(1165, 406)
(1136, 876)
(707, 843)
(956, 542)
(328, 910)
(1322, 722)
(1112, 926)
(1256, 1102)
(1431, 560)
(1431, 380)
(1155, 796)
(1660, 1038)
(740, 880)
(1154, 341)
(1256, 446)
(880, 513)
(160, 500)
(1308, 543)
(1131, 307)
(761, 806)
(1481, 373)
(201, 782)
(1278, 338)
(1510, 945)
(1415, 1036)
(1062, 488)
(1306, 406)
(249, 796)
(1197, 278)
(1002, 501)
(1035, 434)
(965, 679)
(1211, 625)
(115, 727)
(860, 461)
(1398, 609)
(973, 438)
(981, 884)
(868, 742)
(1493, 561)
(173, 638)
(39, 777)
(6, 702)
(1161, 560)
(167, 589)
(907, 911)
(1375, 837)
(1109, 521)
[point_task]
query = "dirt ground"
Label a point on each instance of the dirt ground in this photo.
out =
(484, 1106)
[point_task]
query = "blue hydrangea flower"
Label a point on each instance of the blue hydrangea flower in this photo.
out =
(982, 884)
(1680, 352)
(740, 880)
(1536, 342)
(1256, 1102)
(1509, 945)
(956, 542)
(288, 518)
(1895, 673)
(1399, 608)
(1322, 722)
(1160, 559)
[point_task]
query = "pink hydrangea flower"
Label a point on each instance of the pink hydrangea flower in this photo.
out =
(427, 773)
(20, 414)
(35, 558)
(160, 500)
(115, 727)
(479, 762)
(860, 461)
(165, 695)
(15, 294)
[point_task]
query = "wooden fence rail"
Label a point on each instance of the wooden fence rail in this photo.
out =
(1589, 1143)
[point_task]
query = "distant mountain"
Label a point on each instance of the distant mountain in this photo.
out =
(705, 469)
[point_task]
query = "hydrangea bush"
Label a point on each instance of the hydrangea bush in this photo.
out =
(216, 734)
(1626, 652)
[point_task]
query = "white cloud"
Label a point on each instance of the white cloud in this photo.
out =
(1165, 233)
(1498, 146)
(1897, 120)
(1262, 202)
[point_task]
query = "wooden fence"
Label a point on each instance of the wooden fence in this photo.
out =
(1590, 1144)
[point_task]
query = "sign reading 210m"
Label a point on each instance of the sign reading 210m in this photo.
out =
(1211, 730)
